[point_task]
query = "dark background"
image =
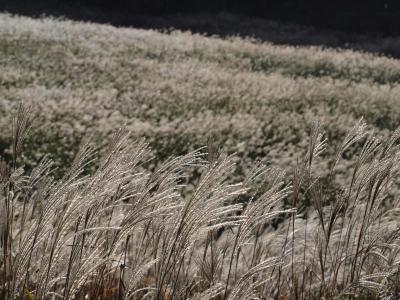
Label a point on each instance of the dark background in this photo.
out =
(375, 17)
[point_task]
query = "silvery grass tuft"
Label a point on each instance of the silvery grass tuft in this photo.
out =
(123, 232)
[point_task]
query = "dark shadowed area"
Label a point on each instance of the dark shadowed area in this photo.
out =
(379, 17)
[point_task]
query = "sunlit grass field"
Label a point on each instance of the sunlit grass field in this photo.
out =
(180, 90)
(138, 224)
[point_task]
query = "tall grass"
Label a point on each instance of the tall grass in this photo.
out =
(122, 232)
(126, 222)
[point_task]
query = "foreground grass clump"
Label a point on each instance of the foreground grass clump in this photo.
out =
(122, 232)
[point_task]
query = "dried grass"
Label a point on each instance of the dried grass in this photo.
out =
(116, 224)
(122, 232)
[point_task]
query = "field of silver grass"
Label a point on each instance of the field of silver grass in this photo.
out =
(252, 98)
(123, 219)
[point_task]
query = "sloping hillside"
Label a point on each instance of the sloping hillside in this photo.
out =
(327, 229)
(179, 90)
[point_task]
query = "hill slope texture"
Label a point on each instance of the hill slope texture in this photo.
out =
(116, 220)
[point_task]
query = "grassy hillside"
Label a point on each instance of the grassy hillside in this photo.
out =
(132, 229)
(179, 90)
